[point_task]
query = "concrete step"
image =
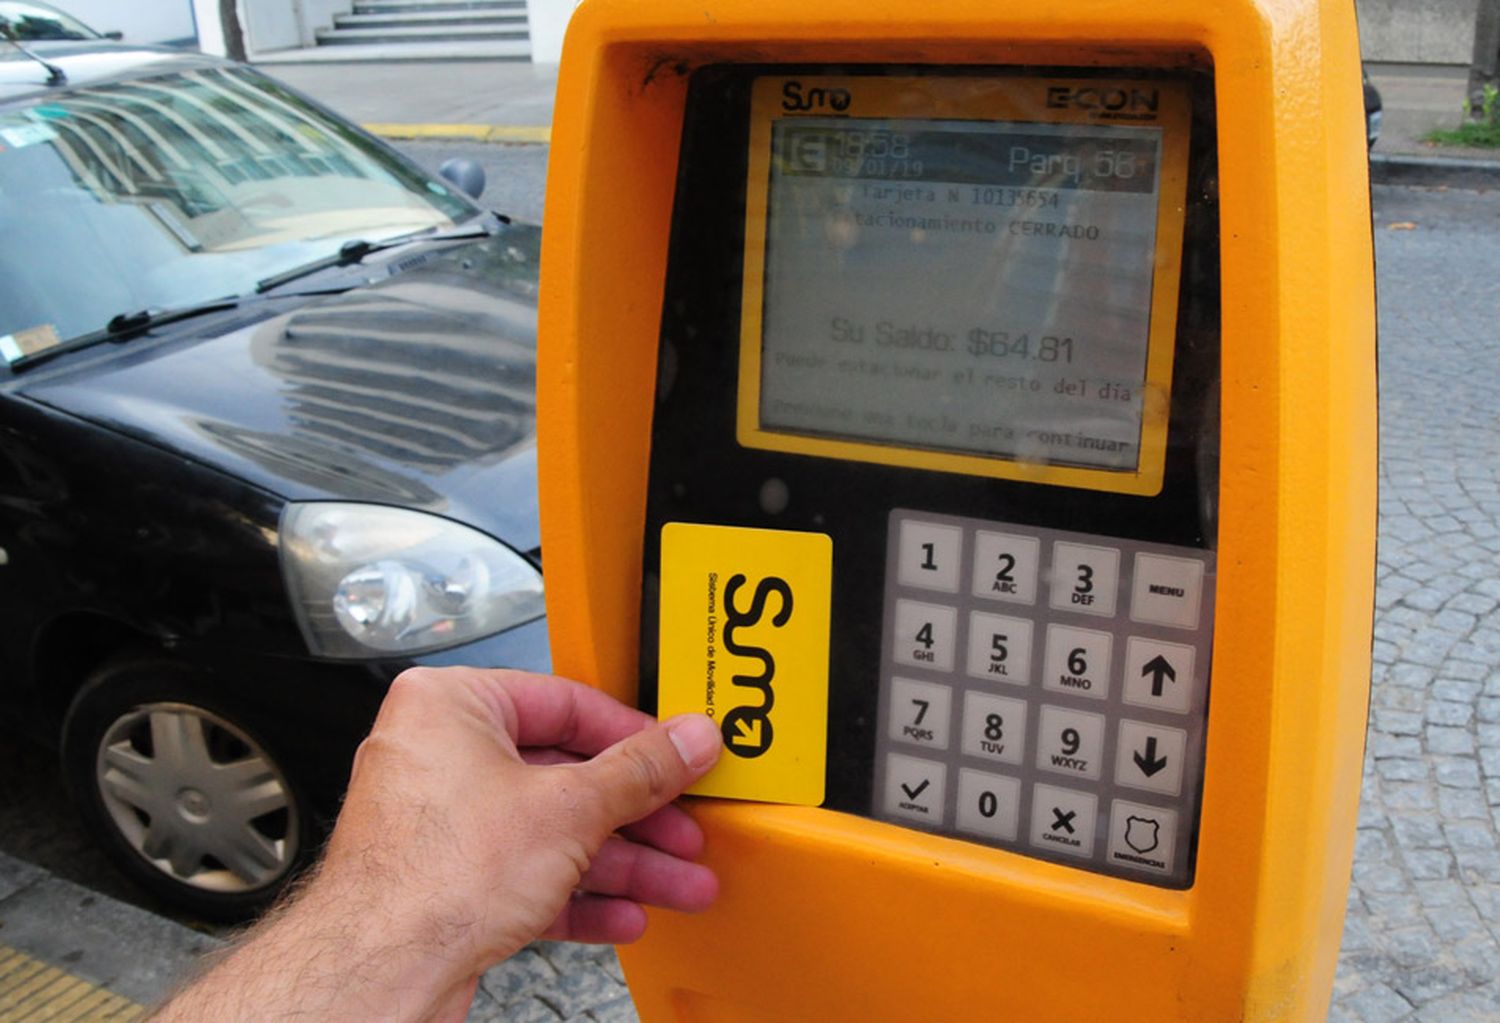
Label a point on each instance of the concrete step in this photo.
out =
(402, 52)
(434, 19)
(426, 7)
(423, 34)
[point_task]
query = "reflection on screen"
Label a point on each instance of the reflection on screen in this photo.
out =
(966, 286)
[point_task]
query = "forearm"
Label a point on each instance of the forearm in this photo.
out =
(335, 953)
(424, 884)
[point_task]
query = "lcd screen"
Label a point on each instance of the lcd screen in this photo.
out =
(975, 285)
(961, 285)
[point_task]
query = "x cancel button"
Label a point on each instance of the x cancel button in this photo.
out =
(1063, 820)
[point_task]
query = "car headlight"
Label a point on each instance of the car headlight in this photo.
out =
(368, 579)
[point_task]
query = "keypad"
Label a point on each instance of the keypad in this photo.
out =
(1046, 692)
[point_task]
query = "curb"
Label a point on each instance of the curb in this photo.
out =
(72, 955)
(1453, 172)
(504, 133)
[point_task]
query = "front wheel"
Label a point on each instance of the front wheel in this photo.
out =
(174, 783)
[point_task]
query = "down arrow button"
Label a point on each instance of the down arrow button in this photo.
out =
(1150, 763)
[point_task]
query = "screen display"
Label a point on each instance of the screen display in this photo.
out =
(967, 274)
(979, 287)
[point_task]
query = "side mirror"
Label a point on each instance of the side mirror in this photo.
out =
(465, 175)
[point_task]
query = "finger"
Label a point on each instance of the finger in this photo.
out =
(643, 772)
(551, 711)
(650, 876)
(542, 756)
(599, 920)
(670, 829)
(534, 710)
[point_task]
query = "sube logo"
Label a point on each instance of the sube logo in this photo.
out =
(796, 99)
(747, 729)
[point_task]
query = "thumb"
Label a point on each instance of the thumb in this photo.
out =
(643, 772)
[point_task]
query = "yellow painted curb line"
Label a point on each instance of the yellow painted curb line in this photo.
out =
(31, 990)
(536, 134)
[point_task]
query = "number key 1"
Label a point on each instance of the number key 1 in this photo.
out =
(929, 555)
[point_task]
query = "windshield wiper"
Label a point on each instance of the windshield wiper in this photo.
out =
(55, 74)
(126, 325)
(352, 252)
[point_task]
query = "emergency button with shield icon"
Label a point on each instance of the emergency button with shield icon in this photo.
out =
(1143, 837)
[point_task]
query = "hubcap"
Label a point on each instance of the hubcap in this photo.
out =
(197, 798)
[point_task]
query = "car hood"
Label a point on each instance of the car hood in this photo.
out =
(417, 390)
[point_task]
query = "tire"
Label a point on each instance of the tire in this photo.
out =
(182, 791)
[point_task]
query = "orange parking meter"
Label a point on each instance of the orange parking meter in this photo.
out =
(972, 408)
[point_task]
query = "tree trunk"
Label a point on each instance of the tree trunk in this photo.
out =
(1485, 69)
(234, 35)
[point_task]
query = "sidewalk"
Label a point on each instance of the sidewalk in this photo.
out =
(67, 953)
(1418, 99)
(71, 955)
(476, 101)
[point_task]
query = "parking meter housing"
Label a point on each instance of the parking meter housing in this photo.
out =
(829, 915)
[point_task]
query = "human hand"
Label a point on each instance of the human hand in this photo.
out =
(486, 809)
(514, 806)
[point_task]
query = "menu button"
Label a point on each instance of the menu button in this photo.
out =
(1167, 590)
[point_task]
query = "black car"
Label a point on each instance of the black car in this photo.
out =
(266, 439)
(1374, 112)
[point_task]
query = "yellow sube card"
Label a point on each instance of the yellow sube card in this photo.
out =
(744, 639)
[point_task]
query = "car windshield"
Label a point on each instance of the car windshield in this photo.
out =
(32, 22)
(167, 191)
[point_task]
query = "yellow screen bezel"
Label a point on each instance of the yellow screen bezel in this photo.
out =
(1015, 98)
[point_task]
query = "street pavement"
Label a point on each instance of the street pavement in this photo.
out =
(1422, 939)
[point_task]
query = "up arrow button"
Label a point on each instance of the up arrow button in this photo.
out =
(1159, 670)
(1159, 675)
